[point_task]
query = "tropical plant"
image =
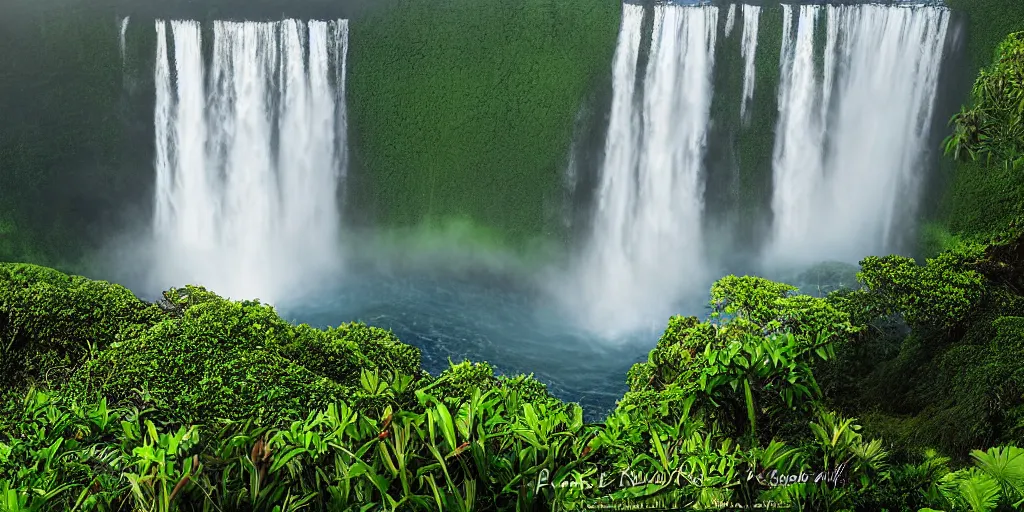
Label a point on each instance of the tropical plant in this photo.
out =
(993, 127)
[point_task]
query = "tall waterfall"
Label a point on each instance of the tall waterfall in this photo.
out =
(250, 145)
(646, 243)
(855, 96)
(851, 136)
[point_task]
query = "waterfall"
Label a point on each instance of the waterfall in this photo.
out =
(855, 95)
(797, 160)
(248, 154)
(852, 137)
(646, 245)
(730, 20)
(748, 49)
(124, 38)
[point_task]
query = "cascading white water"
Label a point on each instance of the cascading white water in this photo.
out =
(748, 49)
(797, 160)
(854, 111)
(248, 158)
(730, 20)
(124, 36)
(852, 137)
(646, 246)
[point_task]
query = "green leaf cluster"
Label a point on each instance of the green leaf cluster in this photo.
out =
(942, 292)
(938, 363)
(993, 127)
(49, 321)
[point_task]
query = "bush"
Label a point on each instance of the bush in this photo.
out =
(951, 378)
(344, 417)
(993, 127)
(50, 321)
(218, 360)
(986, 193)
(941, 293)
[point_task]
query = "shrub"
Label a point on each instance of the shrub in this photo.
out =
(993, 127)
(218, 360)
(50, 321)
(941, 293)
(749, 368)
(212, 358)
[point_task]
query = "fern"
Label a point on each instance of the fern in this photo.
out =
(972, 489)
(1005, 465)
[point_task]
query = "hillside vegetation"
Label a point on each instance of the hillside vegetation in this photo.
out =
(198, 402)
(986, 193)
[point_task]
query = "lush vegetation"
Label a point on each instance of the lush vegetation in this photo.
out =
(986, 193)
(937, 362)
(197, 402)
(993, 127)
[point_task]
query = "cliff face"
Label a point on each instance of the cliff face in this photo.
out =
(458, 109)
(983, 196)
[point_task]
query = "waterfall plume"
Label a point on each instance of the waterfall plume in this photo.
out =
(852, 136)
(748, 48)
(249, 149)
(645, 248)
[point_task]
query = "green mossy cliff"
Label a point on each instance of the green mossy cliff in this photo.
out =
(466, 109)
(985, 195)
(458, 110)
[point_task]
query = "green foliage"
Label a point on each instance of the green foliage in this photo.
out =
(993, 127)
(466, 109)
(941, 293)
(218, 360)
(725, 412)
(60, 455)
(750, 366)
(1006, 466)
(460, 380)
(526, 388)
(983, 198)
(773, 308)
(952, 376)
(477, 456)
(215, 359)
(936, 237)
(340, 353)
(50, 321)
(997, 478)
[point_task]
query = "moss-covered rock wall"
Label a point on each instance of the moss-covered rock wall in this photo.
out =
(458, 110)
(60, 135)
(466, 109)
